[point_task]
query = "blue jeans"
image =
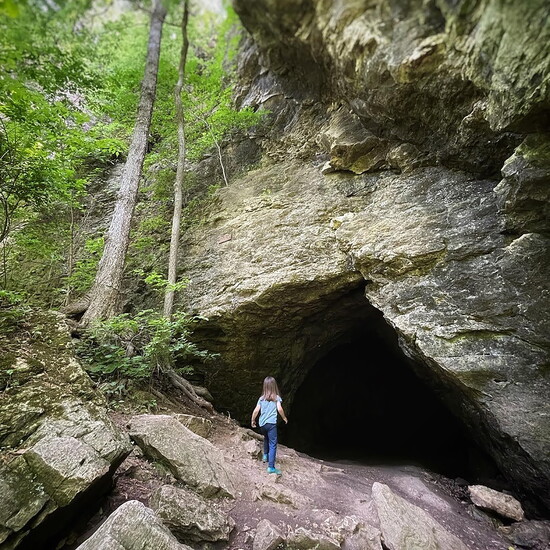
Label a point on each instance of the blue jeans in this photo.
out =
(269, 431)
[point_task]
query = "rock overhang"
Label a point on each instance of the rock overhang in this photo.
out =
(308, 261)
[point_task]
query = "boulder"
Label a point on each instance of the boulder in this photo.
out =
(504, 505)
(66, 466)
(59, 447)
(352, 532)
(189, 457)
(365, 537)
(304, 539)
(131, 526)
(190, 517)
(267, 537)
(407, 527)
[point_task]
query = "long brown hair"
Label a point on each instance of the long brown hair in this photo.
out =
(271, 390)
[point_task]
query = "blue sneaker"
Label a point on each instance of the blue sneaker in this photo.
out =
(264, 458)
(274, 471)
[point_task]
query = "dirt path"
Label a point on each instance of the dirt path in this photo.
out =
(309, 490)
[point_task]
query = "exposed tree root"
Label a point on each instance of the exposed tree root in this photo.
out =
(187, 388)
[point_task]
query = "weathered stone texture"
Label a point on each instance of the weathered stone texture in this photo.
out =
(489, 499)
(188, 456)
(190, 517)
(59, 447)
(391, 125)
(407, 527)
(132, 526)
(436, 74)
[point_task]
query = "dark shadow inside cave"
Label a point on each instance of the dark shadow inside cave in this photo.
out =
(363, 402)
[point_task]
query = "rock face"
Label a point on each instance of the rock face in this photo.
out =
(59, 448)
(425, 249)
(420, 218)
(433, 74)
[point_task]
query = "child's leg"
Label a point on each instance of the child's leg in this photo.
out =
(272, 436)
(266, 441)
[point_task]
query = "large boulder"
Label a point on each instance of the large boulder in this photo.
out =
(191, 458)
(190, 517)
(407, 527)
(59, 448)
(131, 526)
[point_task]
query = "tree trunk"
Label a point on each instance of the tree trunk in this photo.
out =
(106, 291)
(178, 184)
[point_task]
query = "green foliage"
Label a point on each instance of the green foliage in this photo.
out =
(68, 97)
(47, 134)
(84, 270)
(135, 346)
(43, 114)
(12, 310)
(158, 283)
(209, 86)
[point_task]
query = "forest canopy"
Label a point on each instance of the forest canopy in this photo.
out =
(106, 109)
(69, 87)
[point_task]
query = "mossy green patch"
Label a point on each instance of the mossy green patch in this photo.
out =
(536, 149)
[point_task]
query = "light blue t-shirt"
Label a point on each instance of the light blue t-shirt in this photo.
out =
(268, 411)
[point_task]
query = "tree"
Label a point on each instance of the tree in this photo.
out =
(180, 170)
(167, 368)
(44, 78)
(106, 291)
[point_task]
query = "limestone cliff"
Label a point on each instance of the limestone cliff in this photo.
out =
(405, 174)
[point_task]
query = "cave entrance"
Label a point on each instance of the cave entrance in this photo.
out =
(363, 401)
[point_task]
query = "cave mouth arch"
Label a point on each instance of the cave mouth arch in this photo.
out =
(363, 401)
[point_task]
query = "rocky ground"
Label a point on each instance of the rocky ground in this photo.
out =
(316, 503)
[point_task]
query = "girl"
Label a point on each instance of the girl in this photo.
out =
(268, 405)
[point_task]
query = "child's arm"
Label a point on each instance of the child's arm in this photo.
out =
(255, 413)
(282, 412)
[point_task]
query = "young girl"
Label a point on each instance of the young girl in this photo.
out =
(268, 406)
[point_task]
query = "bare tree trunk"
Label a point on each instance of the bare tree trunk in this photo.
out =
(106, 291)
(178, 184)
(218, 148)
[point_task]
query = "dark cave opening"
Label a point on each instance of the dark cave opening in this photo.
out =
(363, 402)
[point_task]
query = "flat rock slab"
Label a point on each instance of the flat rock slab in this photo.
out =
(489, 499)
(407, 527)
(282, 495)
(132, 526)
(190, 517)
(189, 457)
